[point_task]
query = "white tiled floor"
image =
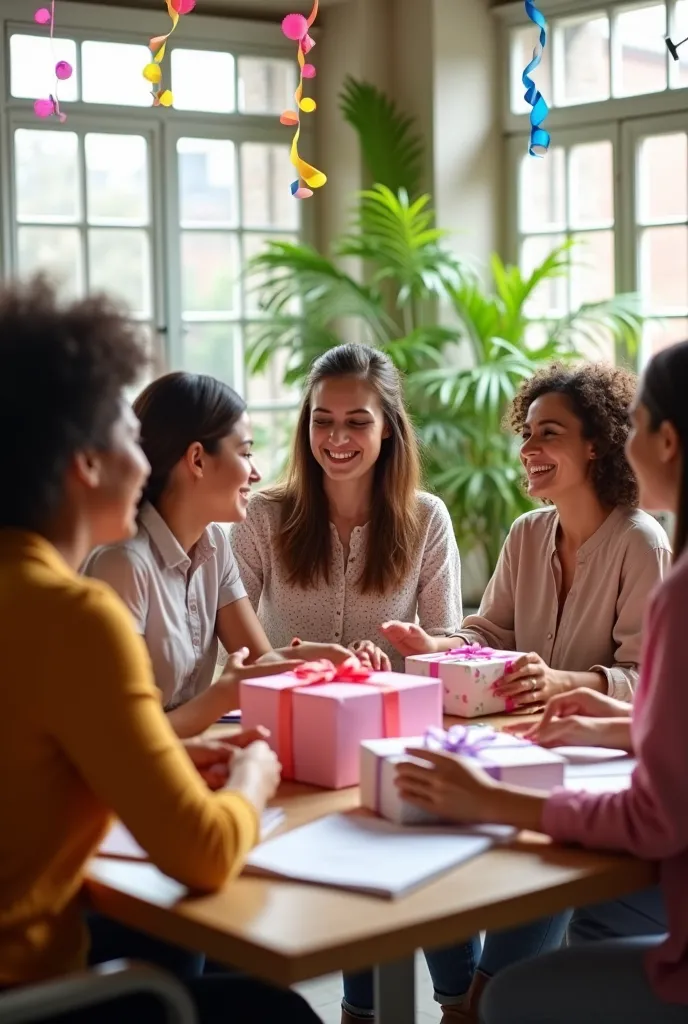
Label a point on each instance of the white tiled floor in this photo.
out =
(325, 994)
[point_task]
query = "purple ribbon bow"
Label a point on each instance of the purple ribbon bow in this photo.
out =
(470, 652)
(460, 739)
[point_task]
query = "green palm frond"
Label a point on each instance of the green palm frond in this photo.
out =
(392, 148)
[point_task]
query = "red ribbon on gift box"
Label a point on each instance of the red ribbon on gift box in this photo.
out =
(315, 673)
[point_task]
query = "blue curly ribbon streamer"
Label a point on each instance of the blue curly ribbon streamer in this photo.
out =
(539, 138)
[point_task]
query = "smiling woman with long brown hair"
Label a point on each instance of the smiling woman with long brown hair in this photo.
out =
(349, 539)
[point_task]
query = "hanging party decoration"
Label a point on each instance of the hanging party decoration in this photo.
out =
(539, 137)
(49, 106)
(296, 27)
(152, 72)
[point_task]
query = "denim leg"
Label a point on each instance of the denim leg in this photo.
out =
(359, 994)
(502, 949)
(600, 983)
(452, 970)
(641, 913)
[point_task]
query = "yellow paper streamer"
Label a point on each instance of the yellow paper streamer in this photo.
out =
(309, 177)
(153, 72)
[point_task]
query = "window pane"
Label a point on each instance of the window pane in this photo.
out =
(117, 178)
(55, 251)
(592, 268)
(591, 184)
(272, 433)
(266, 173)
(111, 73)
(207, 182)
(659, 334)
(32, 67)
(253, 244)
(210, 272)
(663, 178)
(664, 269)
(209, 348)
(678, 70)
(542, 187)
(549, 298)
(523, 41)
(119, 263)
(640, 51)
(582, 70)
(47, 174)
(203, 80)
(266, 86)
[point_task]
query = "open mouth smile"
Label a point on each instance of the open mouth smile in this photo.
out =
(540, 470)
(340, 456)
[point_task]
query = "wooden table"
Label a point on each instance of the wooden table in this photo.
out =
(287, 932)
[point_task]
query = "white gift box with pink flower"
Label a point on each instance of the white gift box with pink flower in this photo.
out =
(469, 676)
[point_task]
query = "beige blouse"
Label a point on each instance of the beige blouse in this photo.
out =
(338, 612)
(601, 621)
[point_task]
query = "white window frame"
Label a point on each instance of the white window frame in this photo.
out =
(162, 126)
(622, 119)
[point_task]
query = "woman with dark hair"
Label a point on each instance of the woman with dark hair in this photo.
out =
(178, 576)
(82, 733)
(350, 539)
(570, 589)
(633, 979)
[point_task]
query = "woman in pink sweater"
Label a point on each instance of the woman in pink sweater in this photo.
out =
(635, 980)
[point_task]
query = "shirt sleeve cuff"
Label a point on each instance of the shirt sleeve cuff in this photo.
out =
(230, 594)
(621, 682)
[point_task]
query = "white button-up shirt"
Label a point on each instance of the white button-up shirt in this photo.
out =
(174, 598)
(337, 612)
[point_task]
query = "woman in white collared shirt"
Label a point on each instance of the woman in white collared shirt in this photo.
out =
(178, 576)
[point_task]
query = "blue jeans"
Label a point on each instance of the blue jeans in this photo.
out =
(452, 969)
(220, 997)
(596, 983)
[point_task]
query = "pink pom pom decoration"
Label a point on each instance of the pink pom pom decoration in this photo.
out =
(63, 70)
(295, 26)
(44, 108)
(183, 6)
(42, 16)
(308, 71)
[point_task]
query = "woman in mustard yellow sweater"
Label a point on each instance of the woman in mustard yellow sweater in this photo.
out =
(82, 732)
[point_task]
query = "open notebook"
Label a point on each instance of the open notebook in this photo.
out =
(368, 854)
(119, 842)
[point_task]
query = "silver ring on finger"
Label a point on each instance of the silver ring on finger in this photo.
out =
(533, 685)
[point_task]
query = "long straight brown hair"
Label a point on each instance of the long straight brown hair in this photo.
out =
(664, 391)
(304, 543)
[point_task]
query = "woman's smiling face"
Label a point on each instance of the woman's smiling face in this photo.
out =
(554, 452)
(347, 427)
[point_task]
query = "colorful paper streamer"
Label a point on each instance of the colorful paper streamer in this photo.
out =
(50, 106)
(539, 137)
(152, 72)
(296, 27)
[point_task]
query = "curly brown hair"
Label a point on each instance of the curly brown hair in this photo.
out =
(601, 395)
(64, 367)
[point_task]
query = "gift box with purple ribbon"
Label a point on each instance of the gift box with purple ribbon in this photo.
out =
(468, 676)
(507, 758)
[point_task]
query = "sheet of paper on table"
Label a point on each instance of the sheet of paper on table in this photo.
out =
(119, 842)
(368, 854)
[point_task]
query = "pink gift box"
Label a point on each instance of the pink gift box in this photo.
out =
(330, 719)
(468, 676)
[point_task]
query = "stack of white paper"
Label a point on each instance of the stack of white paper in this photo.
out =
(119, 842)
(368, 854)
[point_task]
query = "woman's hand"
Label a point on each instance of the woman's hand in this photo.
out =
(226, 687)
(212, 758)
(304, 650)
(371, 656)
(255, 773)
(530, 681)
(457, 789)
(408, 638)
(581, 718)
(452, 787)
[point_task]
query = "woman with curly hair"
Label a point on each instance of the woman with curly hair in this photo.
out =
(573, 576)
(570, 588)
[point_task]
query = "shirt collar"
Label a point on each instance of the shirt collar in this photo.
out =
(170, 550)
(599, 536)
